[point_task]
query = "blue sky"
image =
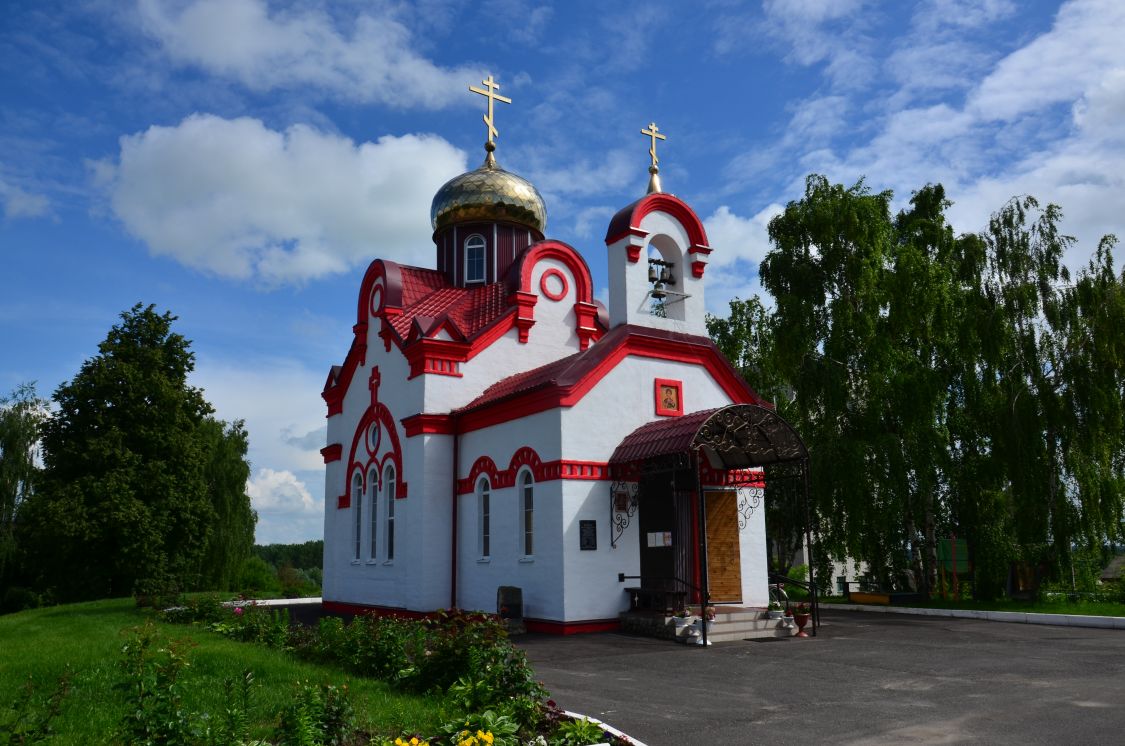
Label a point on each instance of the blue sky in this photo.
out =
(239, 162)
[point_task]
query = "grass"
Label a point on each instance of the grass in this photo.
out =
(87, 638)
(1060, 606)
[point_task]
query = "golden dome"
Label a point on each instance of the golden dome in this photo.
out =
(488, 194)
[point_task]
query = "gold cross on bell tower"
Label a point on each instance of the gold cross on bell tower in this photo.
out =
(653, 133)
(489, 92)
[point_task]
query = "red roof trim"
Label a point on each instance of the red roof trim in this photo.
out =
(563, 383)
(628, 219)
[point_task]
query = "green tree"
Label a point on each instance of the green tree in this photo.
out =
(943, 383)
(22, 414)
(137, 474)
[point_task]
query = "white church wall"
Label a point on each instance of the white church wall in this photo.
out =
(590, 585)
(368, 581)
(425, 537)
(752, 553)
(624, 400)
(539, 576)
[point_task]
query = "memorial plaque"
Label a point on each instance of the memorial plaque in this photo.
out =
(587, 534)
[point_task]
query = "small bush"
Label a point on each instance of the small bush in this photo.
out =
(28, 718)
(319, 714)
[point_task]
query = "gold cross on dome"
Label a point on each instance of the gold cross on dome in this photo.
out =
(653, 132)
(490, 93)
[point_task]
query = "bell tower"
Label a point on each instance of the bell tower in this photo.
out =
(658, 254)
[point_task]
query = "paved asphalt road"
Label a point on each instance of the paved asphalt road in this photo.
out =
(866, 679)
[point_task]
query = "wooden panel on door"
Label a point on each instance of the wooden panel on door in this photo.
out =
(724, 561)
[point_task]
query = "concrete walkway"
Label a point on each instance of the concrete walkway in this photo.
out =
(868, 678)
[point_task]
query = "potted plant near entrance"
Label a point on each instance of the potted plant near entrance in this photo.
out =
(774, 611)
(682, 619)
(801, 616)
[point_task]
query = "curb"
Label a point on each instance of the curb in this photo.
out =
(604, 726)
(1017, 617)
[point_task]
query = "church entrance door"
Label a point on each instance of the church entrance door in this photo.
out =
(724, 561)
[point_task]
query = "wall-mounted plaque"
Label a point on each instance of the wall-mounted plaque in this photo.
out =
(587, 534)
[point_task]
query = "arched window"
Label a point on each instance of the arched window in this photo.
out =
(474, 258)
(389, 498)
(484, 494)
(373, 509)
(527, 514)
(357, 508)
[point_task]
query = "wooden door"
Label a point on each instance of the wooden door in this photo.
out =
(724, 563)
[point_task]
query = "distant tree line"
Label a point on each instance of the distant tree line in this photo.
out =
(140, 490)
(304, 556)
(944, 384)
(289, 570)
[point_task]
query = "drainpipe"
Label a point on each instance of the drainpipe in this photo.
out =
(453, 521)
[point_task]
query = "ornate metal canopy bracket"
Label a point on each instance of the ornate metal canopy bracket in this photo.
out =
(622, 508)
(749, 500)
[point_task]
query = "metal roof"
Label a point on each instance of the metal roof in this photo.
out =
(737, 436)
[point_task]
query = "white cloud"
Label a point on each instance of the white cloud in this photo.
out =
(735, 238)
(280, 492)
(738, 246)
(21, 204)
(1059, 66)
(818, 31)
(238, 199)
(287, 512)
(264, 50)
(1013, 135)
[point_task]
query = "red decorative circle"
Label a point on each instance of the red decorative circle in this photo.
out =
(376, 300)
(545, 286)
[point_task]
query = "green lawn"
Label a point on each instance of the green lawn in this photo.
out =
(88, 638)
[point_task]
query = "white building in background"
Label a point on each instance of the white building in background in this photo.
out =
(492, 424)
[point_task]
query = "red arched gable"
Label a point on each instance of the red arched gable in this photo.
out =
(629, 218)
(392, 288)
(519, 276)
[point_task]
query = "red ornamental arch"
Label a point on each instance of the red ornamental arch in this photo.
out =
(376, 414)
(519, 277)
(485, 466)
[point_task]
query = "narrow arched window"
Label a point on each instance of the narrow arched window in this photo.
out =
(527, 514)
(474, 258)
(484, 495)
(357, 509)
(373, 510)
(389, 499)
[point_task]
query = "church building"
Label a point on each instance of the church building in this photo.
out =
(494, 425)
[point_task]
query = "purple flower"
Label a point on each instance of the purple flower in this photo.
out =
(238, 610)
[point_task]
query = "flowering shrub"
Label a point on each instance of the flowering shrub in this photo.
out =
(480, 738)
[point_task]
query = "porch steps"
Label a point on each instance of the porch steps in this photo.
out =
(730, 624)
(746, 624)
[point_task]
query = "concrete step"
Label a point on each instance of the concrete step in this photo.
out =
(747, 629)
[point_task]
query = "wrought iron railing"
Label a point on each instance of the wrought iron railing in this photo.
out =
(704, 596)
(776, 586)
